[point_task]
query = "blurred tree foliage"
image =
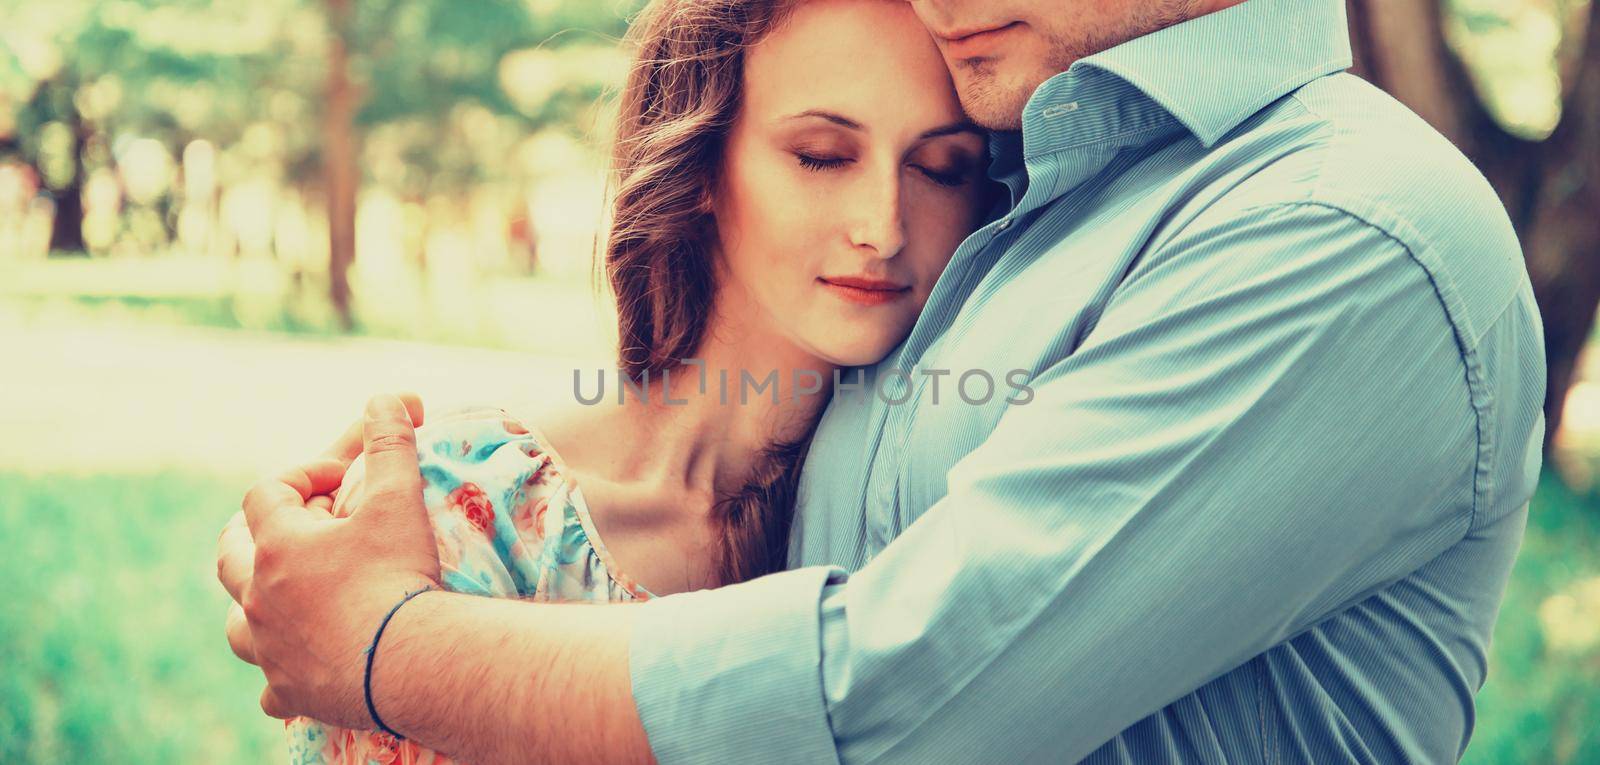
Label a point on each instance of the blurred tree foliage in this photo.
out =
(81, 74)
(1515, 84)
(426, 97)
(417, 66)
(438, 81)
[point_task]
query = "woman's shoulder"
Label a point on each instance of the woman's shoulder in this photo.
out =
(572, 428)
(492, 467)
(474, 434)
(569, 432)
(479, 445)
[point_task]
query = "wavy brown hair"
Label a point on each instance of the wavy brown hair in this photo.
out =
(682, 96)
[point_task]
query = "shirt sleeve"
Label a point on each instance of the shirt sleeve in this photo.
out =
(1271, 419)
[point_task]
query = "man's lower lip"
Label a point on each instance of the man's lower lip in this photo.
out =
(980, 44)
(865, 296)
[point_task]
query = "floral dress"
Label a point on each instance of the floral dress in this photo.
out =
(509, 524)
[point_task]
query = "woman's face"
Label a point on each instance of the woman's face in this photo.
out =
(850, 165)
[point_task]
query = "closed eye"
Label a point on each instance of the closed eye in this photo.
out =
(955, 178)
(820, 163)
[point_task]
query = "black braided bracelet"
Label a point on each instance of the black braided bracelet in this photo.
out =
(372, 650)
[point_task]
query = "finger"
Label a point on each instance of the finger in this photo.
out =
(349, 443)
(321, 502)
(322, 475)
(393, 480)
(236, 557)
(239, 635)
(274, 706)
(413, 404)
(290, 489)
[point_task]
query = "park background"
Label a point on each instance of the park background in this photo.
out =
(223, 225)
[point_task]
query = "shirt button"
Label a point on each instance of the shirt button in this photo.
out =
(1056, 110)
(1004, 224)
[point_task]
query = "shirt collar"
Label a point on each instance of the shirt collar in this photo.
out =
(1206, 75)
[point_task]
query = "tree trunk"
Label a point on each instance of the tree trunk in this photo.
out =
(341, 170)
(66, 226)
(1551, 188)
(1563, 237)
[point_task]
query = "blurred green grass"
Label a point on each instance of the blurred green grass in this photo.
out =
(112, 650)
(1541, 702)
(111, 647)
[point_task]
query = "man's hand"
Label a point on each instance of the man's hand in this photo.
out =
(237, 550)
(312, 588)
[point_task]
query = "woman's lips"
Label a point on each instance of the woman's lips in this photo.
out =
(983, 42)
(869, 293)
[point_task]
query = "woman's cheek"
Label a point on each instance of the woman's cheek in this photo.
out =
(788, 213)
(936, 231)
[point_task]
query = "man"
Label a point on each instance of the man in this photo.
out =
(1287, 375)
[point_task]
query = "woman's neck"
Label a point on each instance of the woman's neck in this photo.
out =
(699, 428)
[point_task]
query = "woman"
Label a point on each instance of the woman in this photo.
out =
(793, 176)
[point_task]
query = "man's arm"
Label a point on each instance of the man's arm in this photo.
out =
(1272, 419)
(486, 680)
(505, 681)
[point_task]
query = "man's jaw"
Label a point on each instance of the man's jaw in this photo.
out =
(988, 95)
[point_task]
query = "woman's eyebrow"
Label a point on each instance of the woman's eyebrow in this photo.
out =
(837, 119)
(963, 126)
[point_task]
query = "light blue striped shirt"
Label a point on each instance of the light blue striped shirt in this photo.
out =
(1286, 378)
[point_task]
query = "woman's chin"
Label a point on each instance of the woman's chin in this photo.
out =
(861, 353)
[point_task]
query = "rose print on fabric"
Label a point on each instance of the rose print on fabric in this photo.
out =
(471, 501)
(471, 461)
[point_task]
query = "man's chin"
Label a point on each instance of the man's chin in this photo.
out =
(996, 120)
(992, 99)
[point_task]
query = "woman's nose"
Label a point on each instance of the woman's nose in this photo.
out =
(879, 224)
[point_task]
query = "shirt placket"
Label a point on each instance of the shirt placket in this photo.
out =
(883, 491)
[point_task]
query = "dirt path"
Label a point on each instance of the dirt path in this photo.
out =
(100, 398)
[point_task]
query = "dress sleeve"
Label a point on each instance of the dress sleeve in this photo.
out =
(487, 483)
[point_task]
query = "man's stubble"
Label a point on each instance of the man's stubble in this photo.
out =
(992, 101)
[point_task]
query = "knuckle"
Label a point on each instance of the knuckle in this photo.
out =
(251, 607)
(250, 497)
(239, 641)
(224, 562)
(228, 528)
(390, 442)
(273, 704)
(267, 552)
(258, 491)
(264, 565)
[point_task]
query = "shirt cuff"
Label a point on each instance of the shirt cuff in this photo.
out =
(735, 674)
